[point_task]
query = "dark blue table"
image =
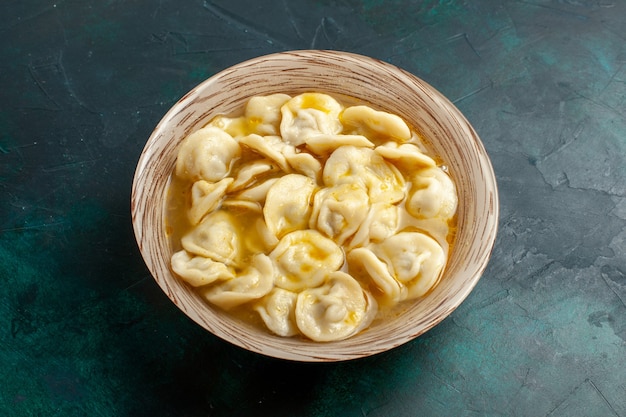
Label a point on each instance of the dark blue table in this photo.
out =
(84, 329)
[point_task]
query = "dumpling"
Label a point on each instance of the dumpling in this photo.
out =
(307, 115)
(405, 156)
(338, 211)
(271, 147)
(234, 126)
(258, 192)
(206, 197)
(216, 237)
(323, 144)
(287, 205)
(304, 258)
(206, 154)
(198, 270)
(335, 310)
(277, 310)
(252, 171)
(382, 220)
(432, 194)
(306, 164)
(255, 282)
(364, 264)
(263, 114)
(373, 123)
(348, 164)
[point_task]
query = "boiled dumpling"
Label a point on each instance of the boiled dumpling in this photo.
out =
(365, 265)
(271, 147)
(198, 270)
(263, 113)
(277, 310)
(415, 259)
(258, 192)
(338, 211)
(287, 205)
(255, 282)
(252, 171)
(405, 156)
(304, 258)
(206, 197)
(306, 164)
(207, 154)
(348, 164)
(373, 123)
(335, 310)
(307, 115)
(324, 144)
(216, 237)
(382, 220)
(432, 194)
(234, 126)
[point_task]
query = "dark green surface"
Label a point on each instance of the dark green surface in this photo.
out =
(84, 329)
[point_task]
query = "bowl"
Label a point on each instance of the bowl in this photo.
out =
(449, 136)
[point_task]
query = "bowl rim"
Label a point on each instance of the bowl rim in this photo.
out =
(306, 54)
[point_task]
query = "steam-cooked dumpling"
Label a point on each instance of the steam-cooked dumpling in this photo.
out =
(263, 113)
(405, 156)
(271, 147)
(381, 221)
(256, 281)
(324, 144)
(432, 194)
(206, 197)
(415, 259)
(364, 264)
(198, 270)
(304, 258)
(287, 205)
(373, 123)
(216, 237)
(306, 164)
(338, 211)
(307, 115)
(206, 154)
(348, 164)
(250, 172)
(277, 310)
(334, 311)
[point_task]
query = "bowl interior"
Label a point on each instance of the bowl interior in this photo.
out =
(373, 82)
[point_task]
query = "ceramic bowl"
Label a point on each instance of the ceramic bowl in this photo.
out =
(372, 82)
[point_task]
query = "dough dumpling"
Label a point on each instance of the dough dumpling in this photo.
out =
(348, 164)
(372, 123)
(307, 115)
(382, 220)
(263, 114)
(206, 197)
(405, 156)
(414, 259)
(306, 164)
(216, 237)
(251, 172)
(287, 205)
(338, 211)
(323, 144)
(304, 258)
(432, 194)
(272, 147)
(277, 310)
(206, 154)
(198, 270)
(335, 310)
(255, 282)
(365, 265)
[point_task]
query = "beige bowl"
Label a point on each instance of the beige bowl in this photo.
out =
(376, 83)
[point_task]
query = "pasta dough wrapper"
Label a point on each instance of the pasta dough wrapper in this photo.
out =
(366, 121)
(307, 115)
(432, 194)
(349, 164)
(216, 237)
(405, 156)
(382, 220)
(263, 113)
(198, 270)
(277, 310)
(206, 154)
(206, 197)
(256, 281)
(338, 211)
(304, 258)
(363, 263)
(335, 310)
(287, 205)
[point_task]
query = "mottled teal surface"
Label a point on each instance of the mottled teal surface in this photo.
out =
(85, 330)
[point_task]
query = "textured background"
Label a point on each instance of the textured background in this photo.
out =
(84, 329)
